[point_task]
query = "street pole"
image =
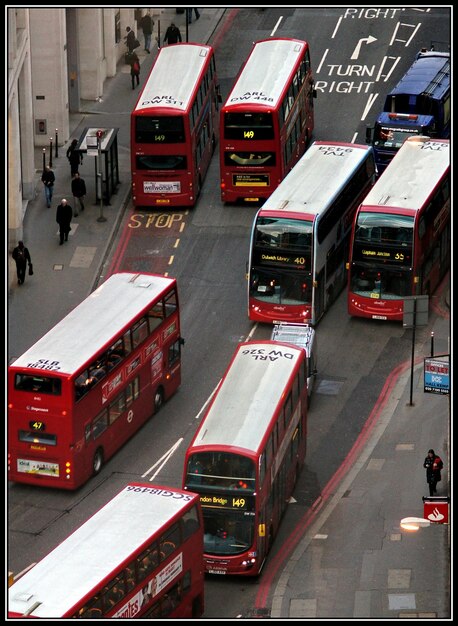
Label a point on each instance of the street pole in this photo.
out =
(101, 217)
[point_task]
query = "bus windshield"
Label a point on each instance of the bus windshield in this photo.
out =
(221, 469)
(288, 234)
(282, 287)
(386, 227)
(229, 531)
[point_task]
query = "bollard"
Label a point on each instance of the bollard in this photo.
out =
(57, 152)
(50, 152)
(44, 159)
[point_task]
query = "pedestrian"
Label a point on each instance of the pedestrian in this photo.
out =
(21, 255)
(189, 15)
(78, 191)
(172, 34)
(433, 464)
(48, 180)
(131, 40)
(134, 69)
(146, 24)
(64, 216)
(74, 157)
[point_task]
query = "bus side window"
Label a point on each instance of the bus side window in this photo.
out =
(139, 332)
(190, 523)
(169, 541)
(170, 304)
(100, 424)
(127, 343)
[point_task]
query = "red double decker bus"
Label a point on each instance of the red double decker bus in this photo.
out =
(301, 235)
(78, 394)
(401, 236)
(267, 120)
(139, 556)
(175, 127)
(247, 454)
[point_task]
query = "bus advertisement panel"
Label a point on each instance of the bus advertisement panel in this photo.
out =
(401, 238)
(267, 120)
(140, 555)
(249, 448)
(175, 127)
(88, 385)
(301, 235)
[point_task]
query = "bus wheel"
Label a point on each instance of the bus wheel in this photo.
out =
(97, 461)
(158, 399)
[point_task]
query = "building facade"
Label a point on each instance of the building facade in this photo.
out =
(56, 57)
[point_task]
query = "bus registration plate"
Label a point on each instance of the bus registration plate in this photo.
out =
(217, 571)
(379, 317)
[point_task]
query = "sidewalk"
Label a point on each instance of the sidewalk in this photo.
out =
(354, 560)
(65, 275)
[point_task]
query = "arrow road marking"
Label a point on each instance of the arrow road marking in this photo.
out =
(369, 39)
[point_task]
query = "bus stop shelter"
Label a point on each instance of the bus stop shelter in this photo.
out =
(107, 170)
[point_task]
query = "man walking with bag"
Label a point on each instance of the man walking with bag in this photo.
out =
(21, 255)
(433, 464)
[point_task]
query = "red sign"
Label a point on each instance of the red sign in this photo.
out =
(435, 509)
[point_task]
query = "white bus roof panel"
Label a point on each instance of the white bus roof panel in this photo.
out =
(248, 395)
(413, 173)
(266, 72)
(93, 323)
(317, 178)
(95, 549)
(174, 76)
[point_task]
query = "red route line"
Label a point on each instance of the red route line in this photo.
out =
(298, 532)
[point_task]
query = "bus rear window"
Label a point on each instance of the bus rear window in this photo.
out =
(38, 384)
(248, 126)
(161, 162)
(169, 129)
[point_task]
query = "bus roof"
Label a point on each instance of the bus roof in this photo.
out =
(415, 171)
(428, 75)
(317, 178)
(266, 72)
(96, 549)
(174, 77)
(92, 324)
(248, 395)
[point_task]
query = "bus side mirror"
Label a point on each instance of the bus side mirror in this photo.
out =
(314, 93)
(368, 134)
(347, 265)
(181, 341)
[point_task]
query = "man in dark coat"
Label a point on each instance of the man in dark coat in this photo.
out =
(146, 24)
(433, 464)
(74, 157)
(172, 34)
(64, 216)
(78, 191)
(21, 255)
(130, 39)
